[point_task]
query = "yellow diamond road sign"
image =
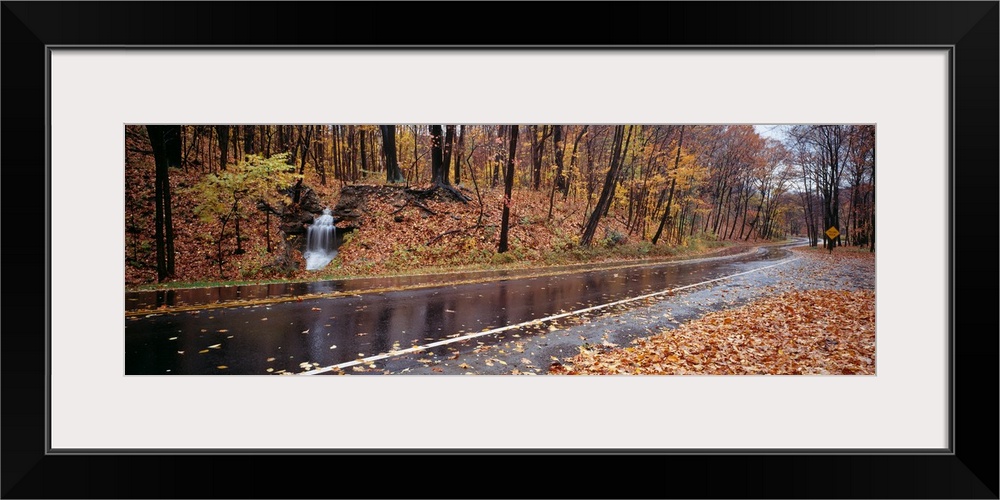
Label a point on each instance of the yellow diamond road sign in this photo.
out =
(832, 232)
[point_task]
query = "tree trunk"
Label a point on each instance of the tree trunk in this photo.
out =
(211, 149)
(572, 159)
(438, 167)
(372, 154)
(319, 158)
(235, 139)
(223, 145)
(399, 154)
(508, 186)
(192, 146)
(198, 157)
(591, 181)
(349, 168)
(449, 139)
(305, 136)
(267, 229)
(248, 133)
(536, 160)
(392, 172)
(558, 150)
(871, 226)
(166, 144)
(156, 138)
(416, 158)
(335, 150)
(498, 155)
(537, 151)
(172, 142)
(364, 155)
(673, 183)
(458, 153)
(609, 186)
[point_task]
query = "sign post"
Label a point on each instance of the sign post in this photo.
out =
(832, 233)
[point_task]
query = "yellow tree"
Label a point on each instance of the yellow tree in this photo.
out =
(673, 185)
(228, 195)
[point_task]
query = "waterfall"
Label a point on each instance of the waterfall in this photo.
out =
(319, 242)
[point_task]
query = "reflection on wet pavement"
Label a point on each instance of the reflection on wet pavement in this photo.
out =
(289, 336)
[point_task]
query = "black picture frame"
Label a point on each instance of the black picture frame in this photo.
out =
(969, 470)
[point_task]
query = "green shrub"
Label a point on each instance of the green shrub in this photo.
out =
(503, 258)
(346, 238)
(613, 238)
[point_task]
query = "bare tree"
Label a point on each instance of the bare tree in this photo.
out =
(609, 183)
(673, 184)
(166, 144)
(392, 171)
(458, 154)
(537, 149)
(825, 147)
(449, 139)
(508, 185)
(223, 131)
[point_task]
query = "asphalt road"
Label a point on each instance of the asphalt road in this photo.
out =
(404, 331)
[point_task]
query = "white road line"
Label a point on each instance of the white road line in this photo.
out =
(392, 354)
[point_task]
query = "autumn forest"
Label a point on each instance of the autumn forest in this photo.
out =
(236, 203)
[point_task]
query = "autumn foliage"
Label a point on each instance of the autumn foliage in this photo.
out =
(816, 332)
(577, 193)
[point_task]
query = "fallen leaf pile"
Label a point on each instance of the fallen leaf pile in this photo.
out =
(825, 332)
(398, 238)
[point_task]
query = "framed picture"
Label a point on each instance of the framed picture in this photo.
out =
(923, 73)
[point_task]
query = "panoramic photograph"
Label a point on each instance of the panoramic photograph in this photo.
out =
(499, 249)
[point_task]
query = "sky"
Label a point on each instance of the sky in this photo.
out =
(770, 131)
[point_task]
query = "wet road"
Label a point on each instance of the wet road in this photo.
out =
(290, 337)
